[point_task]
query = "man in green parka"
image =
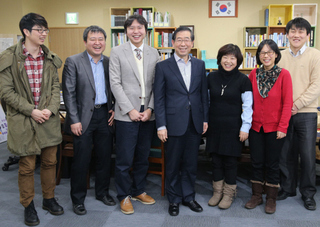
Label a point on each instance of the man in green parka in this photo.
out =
(29, 85)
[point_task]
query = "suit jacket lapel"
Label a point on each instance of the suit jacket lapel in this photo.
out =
(129, 55)
(106, 73)
(193, 73)
(174, 67)
(87, 66)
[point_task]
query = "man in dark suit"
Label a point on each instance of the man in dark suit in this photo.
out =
(181, 109)
(89, 102)
(132, 67)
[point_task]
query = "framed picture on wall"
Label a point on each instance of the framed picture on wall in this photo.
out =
(223, 8)
(189, 26)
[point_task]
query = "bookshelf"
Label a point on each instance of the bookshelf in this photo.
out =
(282, 11)
(252, 36)
(119, 14)
(163, 40)
(118, 17)
(307, 11)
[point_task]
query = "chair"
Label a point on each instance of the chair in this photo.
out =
(157, 160)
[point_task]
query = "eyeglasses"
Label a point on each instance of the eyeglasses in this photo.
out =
(186, 41)
(269, 53)
(41, 30)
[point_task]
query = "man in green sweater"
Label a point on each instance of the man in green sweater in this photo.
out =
(303, 64)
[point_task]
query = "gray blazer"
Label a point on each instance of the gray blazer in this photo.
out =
(125, 79)
(79, 90)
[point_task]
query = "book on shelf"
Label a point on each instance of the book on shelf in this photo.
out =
(280, 39)
(156, 44)
(148, 38)
(311, 38)
(163, 39)
(147, 14)
(254, 40)
(250, 61)
(118, 20)
(162, 20)
(118, 38)
(266, 17)
(165, 53)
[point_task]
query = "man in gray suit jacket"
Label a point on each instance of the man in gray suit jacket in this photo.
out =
(89, 104)
(132, 67)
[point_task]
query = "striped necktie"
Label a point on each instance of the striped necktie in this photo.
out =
(138, 53)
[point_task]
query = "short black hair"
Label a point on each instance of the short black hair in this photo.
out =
(93, 29)
(31, 19)
(180, 29)
(141, 20)
(230, 49)
(273, 47)
(299, 22)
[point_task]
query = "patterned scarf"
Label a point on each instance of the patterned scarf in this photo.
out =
(266, 79)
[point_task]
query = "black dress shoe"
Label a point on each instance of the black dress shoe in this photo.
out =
(30, 215)
(193, 205)
(174, 209)
(79, 209)
(108, 200)
(309, 203)
(282, 195)
(52, 206)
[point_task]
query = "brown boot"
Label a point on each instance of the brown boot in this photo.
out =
(256, 198)
(272, 192)
(217, 193)
(229, 191)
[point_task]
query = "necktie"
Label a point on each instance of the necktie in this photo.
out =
(138, 53)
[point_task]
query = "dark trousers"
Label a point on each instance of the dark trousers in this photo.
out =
(265, 151)
(301, 140)
(224, 168)
(98, 134)
(132, 149)
(181, 165)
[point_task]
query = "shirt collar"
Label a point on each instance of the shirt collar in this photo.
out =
(177, 58)
(303, 48)
(133, 47)
(27, 53)
(91, 59)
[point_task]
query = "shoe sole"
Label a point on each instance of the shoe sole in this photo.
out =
(249, 208)
(127, 212)
(51, 212)
(198, 211)
(79, 213)
(32, 224)
(308, 208)
(147, 203)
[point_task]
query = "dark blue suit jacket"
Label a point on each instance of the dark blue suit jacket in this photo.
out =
(172, 100)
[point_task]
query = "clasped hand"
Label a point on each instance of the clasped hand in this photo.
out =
(40, 116)
(137, 116)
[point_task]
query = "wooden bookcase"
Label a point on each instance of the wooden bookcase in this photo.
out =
(282, 12)
(118, 31)
(285, 12)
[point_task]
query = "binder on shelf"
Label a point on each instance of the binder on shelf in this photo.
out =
(162, 20)
(266, 17)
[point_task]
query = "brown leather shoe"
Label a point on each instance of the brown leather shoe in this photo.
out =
(126, 206)
(144, 198)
